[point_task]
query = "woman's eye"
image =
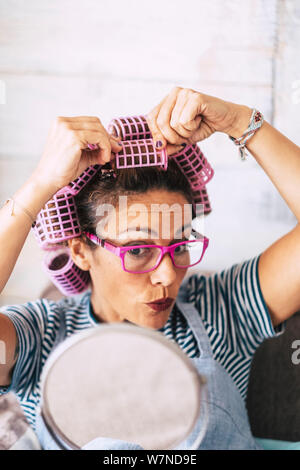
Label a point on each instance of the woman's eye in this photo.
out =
(137, 251)
(134, 251)
(180, 249)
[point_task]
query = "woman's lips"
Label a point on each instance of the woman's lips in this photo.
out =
(161, 304)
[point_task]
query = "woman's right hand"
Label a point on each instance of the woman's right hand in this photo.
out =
(65, 156)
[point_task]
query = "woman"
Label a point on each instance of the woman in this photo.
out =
(217, 320)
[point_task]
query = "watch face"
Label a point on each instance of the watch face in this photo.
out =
(121, 382)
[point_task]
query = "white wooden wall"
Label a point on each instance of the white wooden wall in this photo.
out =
(111, 58)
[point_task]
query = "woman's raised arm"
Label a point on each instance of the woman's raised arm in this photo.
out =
(63, 160)
(186, 115)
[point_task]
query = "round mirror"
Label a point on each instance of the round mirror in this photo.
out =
(122, 382)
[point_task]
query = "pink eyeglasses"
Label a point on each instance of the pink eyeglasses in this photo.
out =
(138, 259)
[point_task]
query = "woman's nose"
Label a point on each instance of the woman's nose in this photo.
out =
(165, 273)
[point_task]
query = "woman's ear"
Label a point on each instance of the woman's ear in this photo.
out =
(80, 253)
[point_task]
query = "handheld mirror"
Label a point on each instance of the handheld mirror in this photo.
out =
(122, 382)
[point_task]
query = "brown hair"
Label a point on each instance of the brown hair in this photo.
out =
(105, 189)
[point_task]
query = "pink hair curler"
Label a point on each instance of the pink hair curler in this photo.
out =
(194, 165)
(75, 186)
(140, 153)
(190, 160)
(200, 196)
(130, 128)
(64, 273)
(58, 220)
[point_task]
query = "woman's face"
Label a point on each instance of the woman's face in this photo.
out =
(118, 295)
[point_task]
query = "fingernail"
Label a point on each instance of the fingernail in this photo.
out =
(158, 144)
(183, 145)
(92, 146)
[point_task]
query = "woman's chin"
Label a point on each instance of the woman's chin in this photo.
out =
(154, 319)
(155, 324)
(148, 317)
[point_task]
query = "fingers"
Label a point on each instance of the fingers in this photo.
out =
(116, 146)
(172, 149)
(164, 119)
(158, 138)
(66, 154)
(188, 118)
(99, 138)
(200, 134)
(90, 131)
(193, 125)
(175, 122)
(176, 118)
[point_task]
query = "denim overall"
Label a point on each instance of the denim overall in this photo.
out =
(227, 426)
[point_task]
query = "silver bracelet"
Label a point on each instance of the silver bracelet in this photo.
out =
(256, 121)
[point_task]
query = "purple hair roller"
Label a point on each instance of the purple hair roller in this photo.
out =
(75, 186)
(190, 160)
(194, 166)
(200, 196)
(64, 273)
(58, 220)
(140, 153)
(130, 128)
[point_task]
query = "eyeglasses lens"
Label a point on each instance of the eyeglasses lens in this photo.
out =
(141, 258)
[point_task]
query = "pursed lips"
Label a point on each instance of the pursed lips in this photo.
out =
(162, 301)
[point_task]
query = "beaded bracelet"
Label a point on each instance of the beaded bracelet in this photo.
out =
(256, 121)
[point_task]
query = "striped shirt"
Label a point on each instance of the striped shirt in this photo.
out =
(229, 303)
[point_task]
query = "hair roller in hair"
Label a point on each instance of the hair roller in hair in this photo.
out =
(75, 186)
(198, 172)
(200, 197)
(194, 166)
(64, 273)
(58, 220)
(130, 128)
(140, 153)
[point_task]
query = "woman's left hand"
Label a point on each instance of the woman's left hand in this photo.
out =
(187, 116)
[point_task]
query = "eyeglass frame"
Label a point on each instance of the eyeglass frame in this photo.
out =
(121, 251)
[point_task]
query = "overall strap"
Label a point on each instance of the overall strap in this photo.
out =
(195, 322)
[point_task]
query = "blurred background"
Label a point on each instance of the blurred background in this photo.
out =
(113, 58)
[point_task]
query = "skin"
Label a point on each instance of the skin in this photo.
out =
(131, 291)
